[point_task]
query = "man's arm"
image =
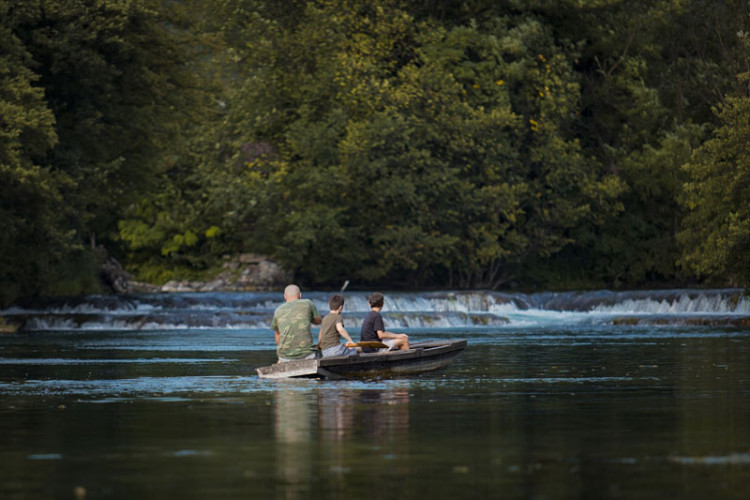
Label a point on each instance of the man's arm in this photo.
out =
(276, 335)
(317, 319)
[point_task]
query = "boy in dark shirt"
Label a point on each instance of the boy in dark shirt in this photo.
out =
(373, 328)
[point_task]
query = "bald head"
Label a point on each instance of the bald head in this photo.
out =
(292, 292)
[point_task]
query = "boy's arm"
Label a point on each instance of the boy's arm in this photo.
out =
(390, 335)
(342, 331)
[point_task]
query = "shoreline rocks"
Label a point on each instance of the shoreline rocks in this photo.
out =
(9, 325)
(114, 276)
(245, 272)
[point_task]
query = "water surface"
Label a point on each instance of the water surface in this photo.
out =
(157, 397)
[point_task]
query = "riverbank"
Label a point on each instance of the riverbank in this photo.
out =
(239, 273)
(7, 327)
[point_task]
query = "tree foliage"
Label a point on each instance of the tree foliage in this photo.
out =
(716, 231)
(447, 143)
(420, 153)
(93, 97)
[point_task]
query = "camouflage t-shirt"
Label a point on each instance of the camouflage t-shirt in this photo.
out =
(292, 320)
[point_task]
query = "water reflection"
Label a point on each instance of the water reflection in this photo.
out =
(378, 414)
(327, 433)
(294, 436)
(571, 411)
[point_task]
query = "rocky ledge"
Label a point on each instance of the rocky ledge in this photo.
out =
(246, 272)
(9, 325)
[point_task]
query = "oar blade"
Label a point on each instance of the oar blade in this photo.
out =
(369, 344)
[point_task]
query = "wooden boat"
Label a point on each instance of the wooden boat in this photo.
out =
(421, 357)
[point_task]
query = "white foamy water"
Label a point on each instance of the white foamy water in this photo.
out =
(449, 309)
(702, 304)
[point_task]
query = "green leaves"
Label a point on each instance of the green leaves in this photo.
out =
(419, 153)
(32, 232)
(410, 144)
(94, 100)
(716, 231)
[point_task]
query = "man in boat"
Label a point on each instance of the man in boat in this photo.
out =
(291, 325)
(373, 328)
(332, 328)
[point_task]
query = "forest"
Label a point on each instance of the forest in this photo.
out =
(531, 144)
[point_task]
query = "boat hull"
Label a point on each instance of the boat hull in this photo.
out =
(422, 357)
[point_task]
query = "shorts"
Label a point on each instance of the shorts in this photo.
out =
(389, 342)
(338, 350)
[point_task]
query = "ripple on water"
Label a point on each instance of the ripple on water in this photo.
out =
(118, 388)
(101, 361)
(45, 456)
(730, 459)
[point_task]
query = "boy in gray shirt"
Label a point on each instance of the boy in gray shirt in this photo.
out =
(332, 328)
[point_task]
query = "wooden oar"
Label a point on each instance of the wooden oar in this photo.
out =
(371, 344)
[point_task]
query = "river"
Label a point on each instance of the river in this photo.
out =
(571, 395)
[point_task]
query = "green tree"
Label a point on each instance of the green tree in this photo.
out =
(716, 231)
(420, 154)
(461, 143)
(31, 238)
(649, 71)
(117, 77)
(95, 99)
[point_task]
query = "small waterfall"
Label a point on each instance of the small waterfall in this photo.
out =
(419, 310)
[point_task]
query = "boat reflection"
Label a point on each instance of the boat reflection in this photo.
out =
(294, 427)
(320, 434)
(375, 413)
